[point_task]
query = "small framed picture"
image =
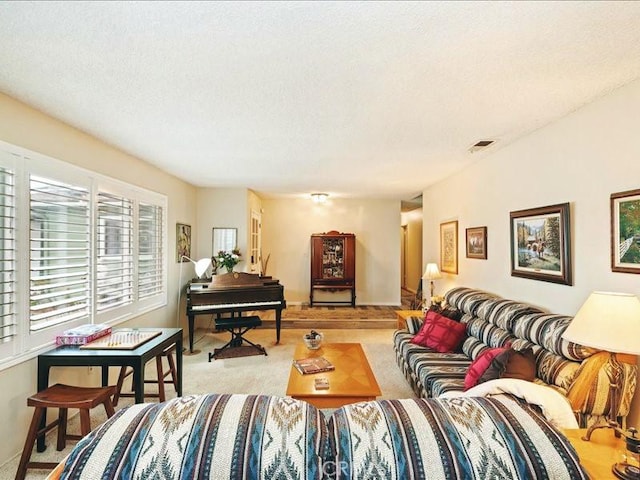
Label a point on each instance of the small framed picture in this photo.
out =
(541, 244)
(183, 242)
(449, 247)
(625, 231)
(476, 242)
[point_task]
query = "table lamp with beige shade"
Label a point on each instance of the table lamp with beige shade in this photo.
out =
(611, 322)
(431, 273)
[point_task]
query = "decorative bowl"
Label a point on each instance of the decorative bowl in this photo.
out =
(313, 342)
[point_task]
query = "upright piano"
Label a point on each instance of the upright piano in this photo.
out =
(235, 293)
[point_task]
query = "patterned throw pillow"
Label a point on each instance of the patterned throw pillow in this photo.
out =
(511, 364)
(440, 333)
(414, 324)
(479, 366)
(452, 313)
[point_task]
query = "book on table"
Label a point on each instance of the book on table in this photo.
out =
(313, 365)
(83, 334)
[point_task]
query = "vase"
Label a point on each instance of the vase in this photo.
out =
(229, 269)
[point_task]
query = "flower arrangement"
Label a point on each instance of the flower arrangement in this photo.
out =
(228, 260)
(437, 300)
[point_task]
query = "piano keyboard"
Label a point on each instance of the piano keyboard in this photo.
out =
(234, 305)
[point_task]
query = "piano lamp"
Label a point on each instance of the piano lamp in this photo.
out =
(201, 267)
(611, 322)
(431, 273)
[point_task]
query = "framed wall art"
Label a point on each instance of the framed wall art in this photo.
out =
(625, 231)
(540, 244)
(476, 242)
(449, 247)
(183, 242)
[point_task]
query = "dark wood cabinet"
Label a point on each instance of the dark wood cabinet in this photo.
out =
(333, 265)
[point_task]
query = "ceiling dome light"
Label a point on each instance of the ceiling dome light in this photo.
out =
(319, 197)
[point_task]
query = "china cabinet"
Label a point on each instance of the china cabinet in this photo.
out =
(333, 265)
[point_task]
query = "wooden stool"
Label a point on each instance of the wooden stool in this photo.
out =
(62, 397)
(162, 375)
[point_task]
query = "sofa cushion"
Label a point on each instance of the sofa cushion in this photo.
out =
(479, 366)
(440, 333)
(467, 299)
(511, 364)
(414, 324)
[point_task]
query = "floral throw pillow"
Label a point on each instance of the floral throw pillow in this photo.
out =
(440, 333)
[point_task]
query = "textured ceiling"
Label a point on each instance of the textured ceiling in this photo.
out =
(352, 98)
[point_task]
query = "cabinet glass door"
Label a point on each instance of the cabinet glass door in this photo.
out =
(333, 258)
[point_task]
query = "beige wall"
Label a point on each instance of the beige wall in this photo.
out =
(287, 225)
(25, 127)
(580, 159)
(221, 208)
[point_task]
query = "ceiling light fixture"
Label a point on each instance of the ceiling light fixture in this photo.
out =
(319, 197)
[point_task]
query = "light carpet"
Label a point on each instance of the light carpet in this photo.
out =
(266, 375)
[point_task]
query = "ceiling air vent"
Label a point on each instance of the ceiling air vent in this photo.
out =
(480, 145)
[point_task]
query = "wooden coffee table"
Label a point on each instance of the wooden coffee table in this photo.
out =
(352, 381)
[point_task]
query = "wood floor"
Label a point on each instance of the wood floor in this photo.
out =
(334, 323)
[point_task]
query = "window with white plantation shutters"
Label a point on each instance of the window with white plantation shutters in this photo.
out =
(114, 276)
(7, 256)
(150, 254)
(59, 248)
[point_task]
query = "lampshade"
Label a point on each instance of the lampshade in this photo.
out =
(319, 197)
(431, 272)
(200, 265)
(607, 321)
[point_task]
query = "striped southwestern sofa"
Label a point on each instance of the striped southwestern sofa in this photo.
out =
(492, 322)
(232, 436)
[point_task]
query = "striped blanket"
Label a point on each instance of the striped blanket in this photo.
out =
(262, 437)
(205, 436)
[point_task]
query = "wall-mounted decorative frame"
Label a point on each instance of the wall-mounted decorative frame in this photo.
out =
(449, 247)
(476, 240)
(224, 239)
(625, 231)
(183, 242)
(541, 244)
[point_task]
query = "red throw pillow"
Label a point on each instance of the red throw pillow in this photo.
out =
(479, 366)
(440, 333)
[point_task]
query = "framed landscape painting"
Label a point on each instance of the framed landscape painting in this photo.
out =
(540, 244)
(476, 242)
(449, 247)
(625, 231)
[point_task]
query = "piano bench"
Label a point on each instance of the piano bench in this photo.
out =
(237, 326)
(237, 322)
